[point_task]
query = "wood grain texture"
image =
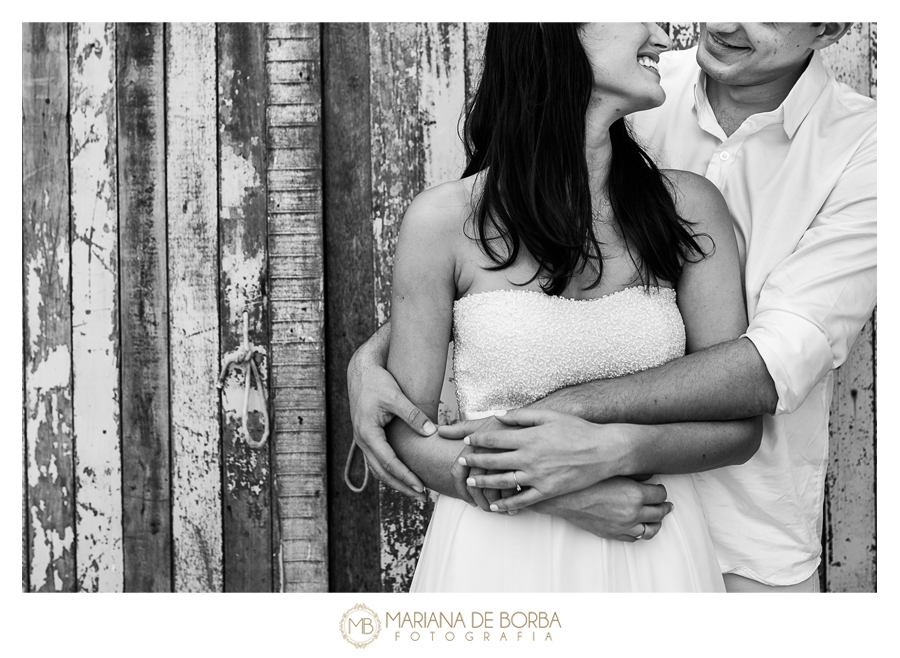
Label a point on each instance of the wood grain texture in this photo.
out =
(873, 60)
(353, 532)
(193, 305)
(475, 34)
(95, 306)
(849, 541)
(396, 179)
(242, 256)
(47, 316)
(146, 512)
(296, 287)
(418, 90)
(849, 533)
(442, 99)
(684, 35)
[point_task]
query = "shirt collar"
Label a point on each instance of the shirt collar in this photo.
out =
(793, 110)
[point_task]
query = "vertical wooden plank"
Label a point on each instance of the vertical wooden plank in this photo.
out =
(418, 80)
(475, 35)
(442, 98)
(849, 58)
(396, 179)
(193, 305)
(849, 559)
(242, 251)
(47, 311)
(849, 532)
(146, 512)
(353, 531)
(296, 287)
(873, 60)
(95, 309)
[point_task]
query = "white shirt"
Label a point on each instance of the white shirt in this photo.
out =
(800, 184)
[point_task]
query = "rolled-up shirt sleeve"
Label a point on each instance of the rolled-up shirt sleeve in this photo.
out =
(814, 303)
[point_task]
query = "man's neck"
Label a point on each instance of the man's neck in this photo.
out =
(733, 104)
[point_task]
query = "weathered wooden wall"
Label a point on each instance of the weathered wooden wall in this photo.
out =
(179, 178)
(171, 190)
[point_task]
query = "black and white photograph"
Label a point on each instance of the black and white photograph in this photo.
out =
(482, 308)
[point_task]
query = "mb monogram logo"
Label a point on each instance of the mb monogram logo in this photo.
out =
(360, 626)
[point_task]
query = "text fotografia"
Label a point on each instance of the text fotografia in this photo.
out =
(482, 626)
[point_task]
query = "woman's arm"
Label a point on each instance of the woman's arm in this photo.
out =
(423, 292)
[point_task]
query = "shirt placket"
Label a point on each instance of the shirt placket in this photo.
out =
(724, 157)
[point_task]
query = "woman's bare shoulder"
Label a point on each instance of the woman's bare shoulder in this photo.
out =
(698, 200)
(440, 212)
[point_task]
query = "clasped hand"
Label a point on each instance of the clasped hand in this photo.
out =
(547, 453)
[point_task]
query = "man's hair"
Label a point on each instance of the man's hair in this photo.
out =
(524, 131)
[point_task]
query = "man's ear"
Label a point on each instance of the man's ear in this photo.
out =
(830, 33)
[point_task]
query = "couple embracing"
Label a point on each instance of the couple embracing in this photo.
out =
(614, 319)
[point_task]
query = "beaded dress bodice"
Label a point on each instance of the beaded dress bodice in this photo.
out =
(512, 347)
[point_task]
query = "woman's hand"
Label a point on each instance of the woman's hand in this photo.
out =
(546, 453)
(462, 475)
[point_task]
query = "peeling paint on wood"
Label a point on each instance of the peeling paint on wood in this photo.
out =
(442, 99)
(418, 87)
(146, 511)
(242, 251)
(849, 58)
(193, 305)
(849, 541)
(684, 35)
(475, 33)
(849, 535)
(873, 60)
(396, 180)
(297, 289)
(354, 534)
(47, 312)
(95, 308)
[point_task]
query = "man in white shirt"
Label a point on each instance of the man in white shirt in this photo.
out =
(754, 109)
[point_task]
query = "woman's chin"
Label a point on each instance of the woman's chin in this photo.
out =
(650, 102)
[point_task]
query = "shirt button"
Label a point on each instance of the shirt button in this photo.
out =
(724, 156)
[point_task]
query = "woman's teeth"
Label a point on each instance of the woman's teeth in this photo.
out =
(648, 62)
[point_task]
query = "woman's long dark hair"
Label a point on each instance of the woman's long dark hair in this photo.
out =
(525, 131)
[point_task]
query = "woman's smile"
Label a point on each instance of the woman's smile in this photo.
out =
(649, 63)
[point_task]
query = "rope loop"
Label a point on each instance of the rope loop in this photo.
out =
(347, 481)
(243, 356)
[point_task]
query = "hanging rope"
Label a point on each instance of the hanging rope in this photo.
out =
(349, 461)
(244, 357)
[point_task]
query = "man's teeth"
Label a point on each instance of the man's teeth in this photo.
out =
(648, 63)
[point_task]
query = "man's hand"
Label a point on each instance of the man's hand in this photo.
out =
(547, 453)
(375, 399)
(613, 509)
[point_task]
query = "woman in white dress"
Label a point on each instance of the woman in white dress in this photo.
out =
(562, 255)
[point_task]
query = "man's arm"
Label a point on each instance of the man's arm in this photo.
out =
(809, 312)
(553, 454)
(725, 381)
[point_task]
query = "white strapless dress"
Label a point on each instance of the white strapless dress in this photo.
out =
(512, 347)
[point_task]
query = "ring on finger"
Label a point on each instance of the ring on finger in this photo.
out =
(643, 530)
(518, 486)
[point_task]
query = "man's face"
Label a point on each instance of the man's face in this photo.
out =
(748, 54)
